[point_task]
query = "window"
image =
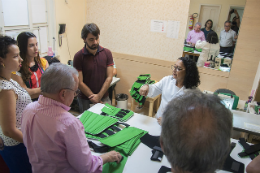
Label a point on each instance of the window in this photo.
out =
(34, 16)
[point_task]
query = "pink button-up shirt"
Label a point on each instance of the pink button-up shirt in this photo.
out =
(55, 139)
(195, 36)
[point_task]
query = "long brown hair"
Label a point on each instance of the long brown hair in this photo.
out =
(22, 40)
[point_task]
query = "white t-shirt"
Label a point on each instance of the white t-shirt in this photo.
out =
(167, 87)
(208, 50)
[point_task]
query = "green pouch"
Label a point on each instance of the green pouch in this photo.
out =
(129, 146)
(188, 49)
(115, 167)
(144, 77)
(95, 123)
(199, 50)
(120, 114)
(122, 136)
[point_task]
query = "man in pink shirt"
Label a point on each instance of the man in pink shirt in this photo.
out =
(195, 35)
(54, 138)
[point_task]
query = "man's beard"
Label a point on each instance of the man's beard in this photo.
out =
(93, 47)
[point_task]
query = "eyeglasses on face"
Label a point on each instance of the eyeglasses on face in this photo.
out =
(175, 67)
(75, 92)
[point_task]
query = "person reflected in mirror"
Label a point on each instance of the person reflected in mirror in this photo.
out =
(227, 38)
(208, 27)
(195, 35)
(235, 22)
(210, 48)
(185, 75)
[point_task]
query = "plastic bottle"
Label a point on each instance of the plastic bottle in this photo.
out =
(50, 52)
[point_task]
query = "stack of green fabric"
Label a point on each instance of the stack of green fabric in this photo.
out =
(141, 80)
(188, 49)
(95, 124)
(199, 50)
(120, 114)
(124, 141)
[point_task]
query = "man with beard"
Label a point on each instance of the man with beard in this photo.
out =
(95, 66)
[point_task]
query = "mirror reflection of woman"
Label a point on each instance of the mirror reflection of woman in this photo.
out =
(185, 75)
(32, 66)
(13, 100)
(210, 48)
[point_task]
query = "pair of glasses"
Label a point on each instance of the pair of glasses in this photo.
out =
(173, 67)
(75, 92)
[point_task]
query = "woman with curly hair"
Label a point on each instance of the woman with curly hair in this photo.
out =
(32, 66)
(13, 100)
(185, 75)
(210, 48)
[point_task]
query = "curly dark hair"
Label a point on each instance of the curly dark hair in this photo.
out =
(192, 77)
(207, 22)
(5, 42)
(212, 37)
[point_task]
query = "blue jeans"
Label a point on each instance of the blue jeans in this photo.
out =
(16, 158)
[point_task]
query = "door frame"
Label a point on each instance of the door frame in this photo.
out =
(217, 5)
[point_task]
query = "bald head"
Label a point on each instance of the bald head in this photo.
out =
(196, 131)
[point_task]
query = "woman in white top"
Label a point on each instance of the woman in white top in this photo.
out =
(210, 48)
(184, 76)
(13, 100)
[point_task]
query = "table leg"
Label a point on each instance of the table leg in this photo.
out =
(133, 105)
(113, 98)
(150, 114)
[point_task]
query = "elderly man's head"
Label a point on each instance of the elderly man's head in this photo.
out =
(196, 131)
(197, 27)
(60, 82)
(227, 26)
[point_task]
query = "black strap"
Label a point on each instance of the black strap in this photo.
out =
(232, 165)
(98, 149)
(101, 135)
(109, 132)
(246, 146)
(157, 154)
(115, 128)
(150, 141)
(164, 169)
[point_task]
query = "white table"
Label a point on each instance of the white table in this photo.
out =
(140, 159)
(246, 122)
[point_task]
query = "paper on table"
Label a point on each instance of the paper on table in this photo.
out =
(173, 29)
(158, 25)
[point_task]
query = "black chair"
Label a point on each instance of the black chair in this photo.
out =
(222, 90)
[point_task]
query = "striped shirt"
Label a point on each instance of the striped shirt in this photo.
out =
(195, 36)
(55, 139)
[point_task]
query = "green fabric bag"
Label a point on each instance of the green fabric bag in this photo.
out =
(122, 136)
(120, 114)
(95, 123)
(113, 167)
